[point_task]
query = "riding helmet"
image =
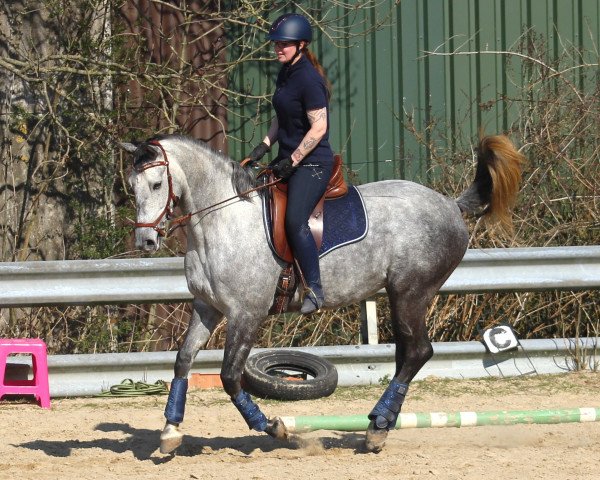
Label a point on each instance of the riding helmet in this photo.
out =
(290, 27)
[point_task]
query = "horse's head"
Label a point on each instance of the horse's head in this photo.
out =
(152, 185)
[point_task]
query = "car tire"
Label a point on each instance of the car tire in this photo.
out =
(289, 375)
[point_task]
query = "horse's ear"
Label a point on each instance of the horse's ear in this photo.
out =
(128, 147)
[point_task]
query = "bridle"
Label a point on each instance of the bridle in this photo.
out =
(173, 200)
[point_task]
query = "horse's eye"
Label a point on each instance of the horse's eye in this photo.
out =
(157, 186)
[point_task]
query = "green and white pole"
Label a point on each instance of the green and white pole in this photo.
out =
(353, 423)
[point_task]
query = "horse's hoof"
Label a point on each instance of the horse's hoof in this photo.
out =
(170, 438)
(376, 438)
(277, 429)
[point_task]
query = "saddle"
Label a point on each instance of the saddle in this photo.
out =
(337, 187)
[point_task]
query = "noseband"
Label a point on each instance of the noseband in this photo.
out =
(172, 199)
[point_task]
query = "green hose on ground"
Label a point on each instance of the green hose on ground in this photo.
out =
(129, 388)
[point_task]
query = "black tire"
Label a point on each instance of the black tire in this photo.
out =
(289, 375)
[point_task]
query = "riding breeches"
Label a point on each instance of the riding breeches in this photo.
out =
(305, 188)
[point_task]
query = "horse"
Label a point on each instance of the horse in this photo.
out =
(415, 240)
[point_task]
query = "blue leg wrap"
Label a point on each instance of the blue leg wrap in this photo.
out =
(176, 403)
(386, 411)
(250, 411)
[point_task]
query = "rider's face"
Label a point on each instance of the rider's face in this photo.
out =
(285, 50)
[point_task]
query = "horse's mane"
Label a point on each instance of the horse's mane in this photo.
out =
(241, 179)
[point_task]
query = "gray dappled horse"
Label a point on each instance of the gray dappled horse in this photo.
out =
(416, 238)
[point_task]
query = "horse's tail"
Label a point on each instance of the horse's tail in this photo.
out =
(497, 181)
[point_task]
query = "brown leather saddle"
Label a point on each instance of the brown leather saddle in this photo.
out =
(336, 188)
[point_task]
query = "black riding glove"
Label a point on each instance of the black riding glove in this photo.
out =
(259, 151)
(283, 169)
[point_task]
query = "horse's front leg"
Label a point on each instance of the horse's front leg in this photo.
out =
(241, 335)
(204, 320)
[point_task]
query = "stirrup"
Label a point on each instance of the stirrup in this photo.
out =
(312, 303)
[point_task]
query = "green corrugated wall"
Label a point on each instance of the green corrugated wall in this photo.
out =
(385, 78)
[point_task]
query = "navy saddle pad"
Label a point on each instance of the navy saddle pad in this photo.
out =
(344, 221)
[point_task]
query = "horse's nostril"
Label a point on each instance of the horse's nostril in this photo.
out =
(150, 244)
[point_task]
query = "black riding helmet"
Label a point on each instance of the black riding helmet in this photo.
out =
(290, 27)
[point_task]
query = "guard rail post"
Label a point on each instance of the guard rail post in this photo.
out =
(368, 322)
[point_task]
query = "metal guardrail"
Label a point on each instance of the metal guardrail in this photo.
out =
(162, 280)
(87, 374)
(89, 282)
(511, 270)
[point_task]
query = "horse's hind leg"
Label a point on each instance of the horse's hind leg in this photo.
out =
(413, 350)
(203, 322)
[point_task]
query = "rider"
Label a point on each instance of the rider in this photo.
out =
(301, 126)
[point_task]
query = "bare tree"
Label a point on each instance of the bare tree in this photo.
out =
(76, 74)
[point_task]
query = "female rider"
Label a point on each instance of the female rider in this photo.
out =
(301, 126)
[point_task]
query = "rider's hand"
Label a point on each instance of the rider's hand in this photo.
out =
(259, 151)
(283, 169)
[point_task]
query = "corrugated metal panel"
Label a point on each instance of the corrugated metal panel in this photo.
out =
(380, 78)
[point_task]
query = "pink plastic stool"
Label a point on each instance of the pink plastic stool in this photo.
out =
(37, 386)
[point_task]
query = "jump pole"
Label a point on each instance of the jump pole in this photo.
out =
(354, 423)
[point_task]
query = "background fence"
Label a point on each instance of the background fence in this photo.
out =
(163, 280)
(157, 280)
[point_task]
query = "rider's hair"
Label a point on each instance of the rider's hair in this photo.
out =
(313, 59)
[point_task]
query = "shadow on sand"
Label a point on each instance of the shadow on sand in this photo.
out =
(143, 443)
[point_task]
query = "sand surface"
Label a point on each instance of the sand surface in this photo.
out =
(107, 438)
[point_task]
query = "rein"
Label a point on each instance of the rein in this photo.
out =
(173, 199)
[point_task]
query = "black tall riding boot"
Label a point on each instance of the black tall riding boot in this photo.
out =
(307, 256)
